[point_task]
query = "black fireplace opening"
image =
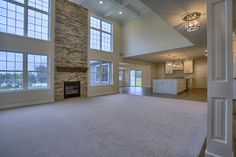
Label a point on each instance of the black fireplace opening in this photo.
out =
(71, 89)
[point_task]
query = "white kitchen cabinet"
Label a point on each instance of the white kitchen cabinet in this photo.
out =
(188, 66)
(168, 69)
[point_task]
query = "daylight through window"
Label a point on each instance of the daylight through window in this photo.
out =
(100, 35)
(12, 72)
(100, 73)
(29, 19)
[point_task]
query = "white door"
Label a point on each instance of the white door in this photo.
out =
(220, 78)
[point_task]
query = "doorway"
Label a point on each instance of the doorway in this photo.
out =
(136, 78)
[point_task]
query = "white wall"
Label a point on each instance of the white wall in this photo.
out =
(23, 44)
(149, 71)
(106, 56)
(149, 33)
(200, 73)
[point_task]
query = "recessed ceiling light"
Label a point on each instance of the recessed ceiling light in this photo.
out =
(100, 2)
(120, 12)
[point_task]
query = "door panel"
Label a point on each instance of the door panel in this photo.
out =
(220, 78)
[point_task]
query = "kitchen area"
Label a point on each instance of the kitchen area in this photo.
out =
(182, 78)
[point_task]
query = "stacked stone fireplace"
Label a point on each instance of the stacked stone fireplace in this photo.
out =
(70, 47)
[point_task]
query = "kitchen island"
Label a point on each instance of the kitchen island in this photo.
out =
(169, 86)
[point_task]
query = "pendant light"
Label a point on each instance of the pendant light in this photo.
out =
(192, 24)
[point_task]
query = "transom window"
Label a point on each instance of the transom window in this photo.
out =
(101, 35)
(25, 18)
(100, 73)
(14, 77)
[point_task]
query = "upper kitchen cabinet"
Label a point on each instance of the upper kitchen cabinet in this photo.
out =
(188, 66)
(168, 68)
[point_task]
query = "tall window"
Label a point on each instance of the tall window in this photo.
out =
(14, 77)
(120, 75)
(100, 35)
(105, 73)
(100, 73)
(25, 18)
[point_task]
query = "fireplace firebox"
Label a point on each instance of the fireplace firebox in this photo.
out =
(71, 89)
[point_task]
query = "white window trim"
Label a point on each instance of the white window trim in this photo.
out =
(101, 31)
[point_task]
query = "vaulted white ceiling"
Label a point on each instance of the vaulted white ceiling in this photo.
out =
(171, 11)
(111, 8)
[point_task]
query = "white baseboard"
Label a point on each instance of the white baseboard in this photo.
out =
(104, 93)
(209, 154)
(25, 104)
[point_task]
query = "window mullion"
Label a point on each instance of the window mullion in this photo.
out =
(101, 73)
(25, 73)
(26, 18)
(100, 34)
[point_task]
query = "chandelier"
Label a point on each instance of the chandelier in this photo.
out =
(192, 24)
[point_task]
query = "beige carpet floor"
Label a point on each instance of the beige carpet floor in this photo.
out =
(107, 126)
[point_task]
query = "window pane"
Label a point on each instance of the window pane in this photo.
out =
(37, 71)
(95, 22)
(3, 56)
(3, 65)
(94, 39)
(37, 80)
(106, 27)
(38, 25)
(11, 70)
(106, 42)
(39, 4)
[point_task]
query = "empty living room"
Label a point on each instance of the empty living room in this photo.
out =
(117, 78)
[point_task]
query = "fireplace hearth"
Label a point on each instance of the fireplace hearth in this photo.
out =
(71, 89)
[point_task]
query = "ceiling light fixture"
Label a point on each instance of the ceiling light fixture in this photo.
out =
(120, 12)
(192, 24)
(100, 2)
(169, 64)
(206, 52)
